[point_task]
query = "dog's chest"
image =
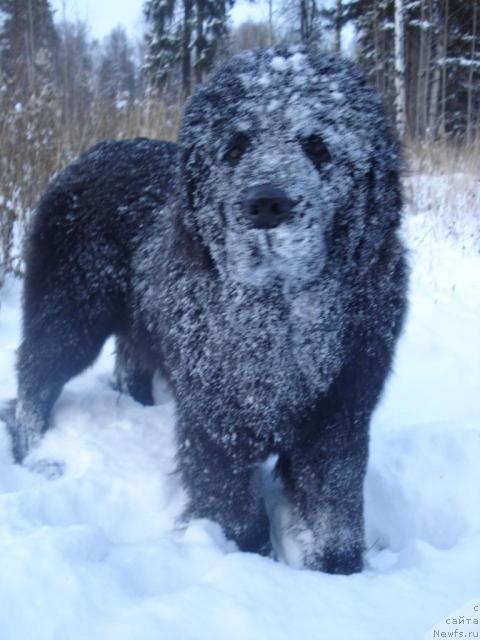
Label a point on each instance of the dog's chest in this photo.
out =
(250, 355)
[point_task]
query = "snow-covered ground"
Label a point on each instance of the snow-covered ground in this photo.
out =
(94, 553)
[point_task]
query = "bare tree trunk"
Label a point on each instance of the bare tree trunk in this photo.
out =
(65, 65)
(379, 84)
(30, 48)
(435, 89)
(308, 14)
(200, 43)
(428, 69)
(186, 53)
(470, 75)
(338, 27)
(422, 84)
(385, 47)
(418, 88)
(443, 124)
(400, 69)
(270, 23)
(303, 20)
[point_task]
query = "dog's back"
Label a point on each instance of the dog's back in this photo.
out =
(91, 214)
(78, 265)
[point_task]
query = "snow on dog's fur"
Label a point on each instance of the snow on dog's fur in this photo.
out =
(257, 267)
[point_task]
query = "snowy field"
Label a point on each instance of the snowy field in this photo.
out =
(94, 553)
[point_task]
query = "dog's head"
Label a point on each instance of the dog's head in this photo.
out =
(287, 165)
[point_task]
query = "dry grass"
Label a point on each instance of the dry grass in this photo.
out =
(443, 185)
(442, 158)
(37, 140)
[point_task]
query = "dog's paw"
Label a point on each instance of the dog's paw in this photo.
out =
(7, 416)
(23, 428)
(50, 469)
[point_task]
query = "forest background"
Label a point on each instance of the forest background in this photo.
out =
(62, 90)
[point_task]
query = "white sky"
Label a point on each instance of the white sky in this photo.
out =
(104, 15)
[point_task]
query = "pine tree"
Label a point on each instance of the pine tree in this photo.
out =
(461, 91)
(441, 61)
(116, 74)
(75, 79)
(305, 20)
(28, 43)
(184, 37)
(164, 42)
(250, 35)
(210, 33)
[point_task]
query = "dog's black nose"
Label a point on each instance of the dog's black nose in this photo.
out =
(266, 206)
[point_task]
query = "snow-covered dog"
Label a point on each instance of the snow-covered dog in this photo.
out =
(257, 267)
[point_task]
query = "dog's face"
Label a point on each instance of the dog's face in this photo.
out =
(279, 165)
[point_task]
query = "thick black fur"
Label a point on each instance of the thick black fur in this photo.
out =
(273, 340)
(78, 266)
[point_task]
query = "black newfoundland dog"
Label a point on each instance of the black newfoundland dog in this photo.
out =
(257, 266)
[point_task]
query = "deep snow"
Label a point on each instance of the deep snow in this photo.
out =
(93, 552)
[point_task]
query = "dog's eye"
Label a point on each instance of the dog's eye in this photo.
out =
(315, 148)
(236, 148)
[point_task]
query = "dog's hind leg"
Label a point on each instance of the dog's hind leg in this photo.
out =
(132, 375)
(73, 299)
(60, 340)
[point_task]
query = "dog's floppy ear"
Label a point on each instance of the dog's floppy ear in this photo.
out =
(195, 170)
(384, 186)
(195, 163)
(383, 204)
(374, 213)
